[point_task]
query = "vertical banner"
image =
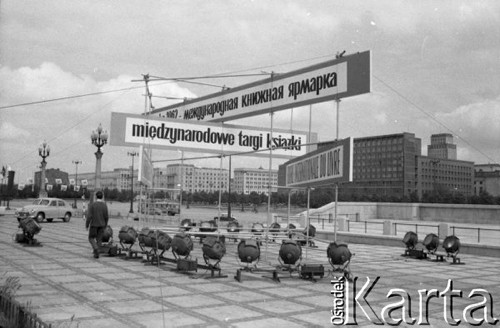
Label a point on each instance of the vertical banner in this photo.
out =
(146, 169)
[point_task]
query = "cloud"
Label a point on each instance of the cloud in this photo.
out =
(66, 124)
(9, 132)
(476, 125)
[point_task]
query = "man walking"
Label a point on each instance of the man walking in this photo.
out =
(97, 220)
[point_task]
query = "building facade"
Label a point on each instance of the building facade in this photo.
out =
(119, 179)
(442, 147)
(444, 175)
(53, 178)
(384, 165)
(247, 180)
(196, 179)
(487, 179)
(393, 166)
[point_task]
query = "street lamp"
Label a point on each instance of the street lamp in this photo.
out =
(43, 151)
(99, 138)
(132, 154)
(76, 162)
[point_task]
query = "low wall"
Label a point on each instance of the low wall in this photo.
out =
(393, 241)
(457, 213)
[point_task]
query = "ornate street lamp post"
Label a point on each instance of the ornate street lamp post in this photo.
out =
(99, 138)
(133, 154)
(76, 162)
(43, 151)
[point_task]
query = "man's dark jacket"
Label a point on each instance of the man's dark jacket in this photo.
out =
(97, 215)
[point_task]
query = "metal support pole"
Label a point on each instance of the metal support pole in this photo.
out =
(181, 184)
(336, 185)
(307, 219)
(132, 154)
(229, 190)
(76, 180)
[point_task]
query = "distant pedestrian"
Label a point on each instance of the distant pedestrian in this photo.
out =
(97, 220)
(84, 207)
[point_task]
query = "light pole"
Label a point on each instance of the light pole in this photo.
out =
(76, 162)
(99, 138)
(132, 154)
(229, 191)
(43, 151)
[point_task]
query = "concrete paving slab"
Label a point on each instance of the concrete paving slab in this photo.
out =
(167, 319)
(228, 313)
(62, 280)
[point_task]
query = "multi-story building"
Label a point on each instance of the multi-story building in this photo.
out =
(444, 175)
(171, 177)
(247, 180)
(392, 165)
(487, 179)
(195, 179)
(441, 171)
(118, 178)
(442, 146)
(384, 165)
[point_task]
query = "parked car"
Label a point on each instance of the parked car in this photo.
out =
(46, 209)
(224, 218)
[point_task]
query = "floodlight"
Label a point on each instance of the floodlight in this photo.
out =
(182, 245)
(410, 240)
(451, 245)
(30, 228)
(431, 242)
(146, 237)
(290, 252)
(208, 226)
(161, 241)
(257, 229)
(233, 226)
(213, 249)
(274, 227)
(249, 251)
(186, 224)
(338, 254)
(127, 235)
(107, 235)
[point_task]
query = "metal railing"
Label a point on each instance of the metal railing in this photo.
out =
(416, 225)
(485, 234)
(353, 224)
(364, 224)
(17, 316)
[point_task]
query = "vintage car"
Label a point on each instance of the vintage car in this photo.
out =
(224, 218)
(159, 208)
(46, 209)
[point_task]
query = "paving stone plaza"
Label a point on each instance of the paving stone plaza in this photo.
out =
(61, 280)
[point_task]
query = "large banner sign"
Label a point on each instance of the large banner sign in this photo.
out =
(327, 165)
(339, 78)
(133, 130)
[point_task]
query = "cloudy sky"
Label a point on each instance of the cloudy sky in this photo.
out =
(435, 69)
